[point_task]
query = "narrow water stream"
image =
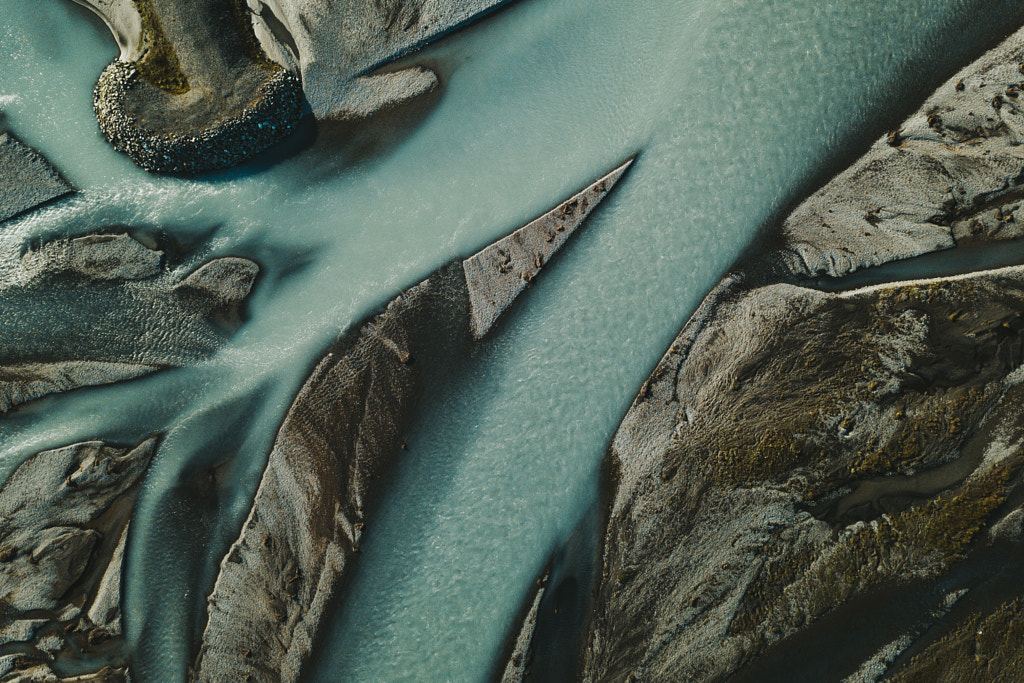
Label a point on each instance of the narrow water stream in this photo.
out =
(959, 260)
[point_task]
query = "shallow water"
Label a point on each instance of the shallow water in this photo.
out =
(738, 109)
(965, 258)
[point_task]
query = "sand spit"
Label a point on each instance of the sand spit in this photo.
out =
(27, 180)
(332, 453)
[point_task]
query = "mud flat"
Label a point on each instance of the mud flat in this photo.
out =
(818, 484)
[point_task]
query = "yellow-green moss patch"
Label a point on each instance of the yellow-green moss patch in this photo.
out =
(921, 542)
(982, 648)
(159, 63)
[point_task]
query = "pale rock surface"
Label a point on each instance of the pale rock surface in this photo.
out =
(952, 173)
(336, 45)
(125, 24)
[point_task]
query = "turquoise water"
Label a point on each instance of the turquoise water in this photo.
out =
(738, 108)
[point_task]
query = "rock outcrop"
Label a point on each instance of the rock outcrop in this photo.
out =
(64, 517)
(827, 485)
(825, 447)
(118, 312)
(336, 445)
(27, 179)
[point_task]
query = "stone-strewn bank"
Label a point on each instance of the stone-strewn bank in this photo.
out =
(819, 485)
(192, 90)
(206, 84)
(269, 117)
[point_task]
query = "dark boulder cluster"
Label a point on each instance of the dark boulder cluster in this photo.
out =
(272, 116)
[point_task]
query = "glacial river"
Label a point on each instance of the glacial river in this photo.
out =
(737, 107)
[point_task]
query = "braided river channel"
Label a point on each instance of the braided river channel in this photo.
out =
(736, 108)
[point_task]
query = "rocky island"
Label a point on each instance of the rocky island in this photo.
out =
(207, 85)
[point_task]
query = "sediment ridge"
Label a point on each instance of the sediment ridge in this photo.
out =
(339, 441)
(138, 317)
(64, 519)
(207, 85)
(27, 179)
